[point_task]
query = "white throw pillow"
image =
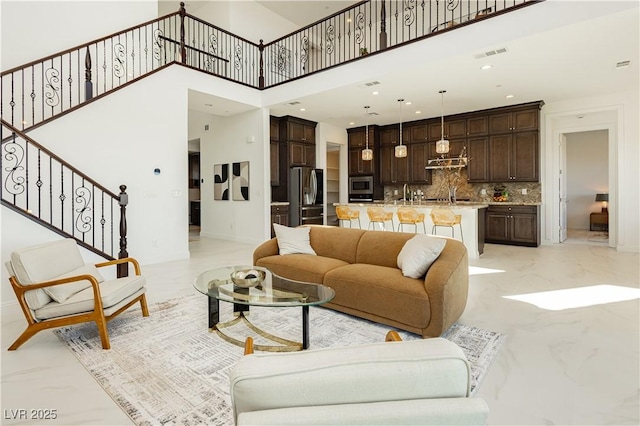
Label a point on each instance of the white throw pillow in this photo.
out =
(418, 254)
(62, 292)
(293, 240)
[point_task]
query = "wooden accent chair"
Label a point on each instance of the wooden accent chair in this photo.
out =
(56, 288)
(410, 216)
(446, 217)
(422, 381)
(345, 213)
(379, 215)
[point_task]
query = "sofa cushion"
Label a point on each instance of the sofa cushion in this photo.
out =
(335, 242)
(62, 292)
(380, 291)
(112, 292)
(293, 240)
(418, 254)
(381, 248)
(301, 267)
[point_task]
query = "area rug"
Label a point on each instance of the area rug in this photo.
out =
(170, 369)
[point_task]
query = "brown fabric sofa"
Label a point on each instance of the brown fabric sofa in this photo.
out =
(361, 266)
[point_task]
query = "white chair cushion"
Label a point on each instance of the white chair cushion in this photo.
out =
(293, 240)
(418, 254)
(62, 292)
(44, 262)
(112, 292)
(433, 368)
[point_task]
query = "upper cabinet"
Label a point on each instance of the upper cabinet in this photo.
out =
(358, 142)
(293, 129)
(516, 121)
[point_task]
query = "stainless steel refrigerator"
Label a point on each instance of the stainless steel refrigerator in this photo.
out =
(305, 196)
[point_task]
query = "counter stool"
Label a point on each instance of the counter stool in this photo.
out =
(446, 217)
(345, 213)
(410, 216)
(379, 215)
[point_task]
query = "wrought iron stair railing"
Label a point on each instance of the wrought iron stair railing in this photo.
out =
(46, 189)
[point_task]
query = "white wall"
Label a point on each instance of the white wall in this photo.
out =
(54, 26)
(586, 174)
(618, 114)
(226, 142)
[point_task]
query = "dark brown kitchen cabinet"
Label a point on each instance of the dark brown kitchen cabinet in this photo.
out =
(478, 159)
(279, 215)
(358, 142)
(478, 126)
(419, 158)
(516, 121)
(390, 136)
(297, 130)
(515, 225)
(274, 165)
(302, 154)
(513, 157)
(453, 129)
(455, 149)
(392, 170)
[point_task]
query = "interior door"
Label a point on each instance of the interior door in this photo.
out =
(562, 182)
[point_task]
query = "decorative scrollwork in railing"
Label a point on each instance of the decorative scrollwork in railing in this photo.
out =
(452, 4)
(330, 37)
(360, 26)
(119, 60)
(158, 44)
(409, 12)
(83, 217)
(52, 77)
(304, 49)
(237, 57)
(14, 178)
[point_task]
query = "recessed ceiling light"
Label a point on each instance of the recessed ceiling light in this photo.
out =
(509, 96)
(418, 112)
(351, 123)
(303, 109)
(486, 67)
(408, 103)
(375, 93)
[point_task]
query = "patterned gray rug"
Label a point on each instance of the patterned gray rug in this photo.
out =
(169, 369)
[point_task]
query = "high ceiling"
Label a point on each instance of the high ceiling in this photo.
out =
(554, 51)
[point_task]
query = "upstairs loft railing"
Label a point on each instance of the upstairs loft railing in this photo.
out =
(41, 186)
(41, 90)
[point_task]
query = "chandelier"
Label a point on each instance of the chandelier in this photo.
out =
(442, 146)
(367, 154)
(400, 150)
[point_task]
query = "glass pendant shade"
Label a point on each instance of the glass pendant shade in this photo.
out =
(401, 151)
(442, 146)
(367, 154)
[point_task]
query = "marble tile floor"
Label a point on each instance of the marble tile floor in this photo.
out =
(575, 366)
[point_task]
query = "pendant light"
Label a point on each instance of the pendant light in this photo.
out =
(367, 154)
(400, 150)
(442, 146)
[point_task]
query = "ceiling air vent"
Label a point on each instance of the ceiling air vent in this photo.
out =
(294, 103)
(490, 53)
(623, 64)
(372, 83)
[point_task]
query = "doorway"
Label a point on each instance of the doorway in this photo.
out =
(584, 173)
(193, 177)
(333, 182)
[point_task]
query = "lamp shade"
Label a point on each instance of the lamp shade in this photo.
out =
(602, 197)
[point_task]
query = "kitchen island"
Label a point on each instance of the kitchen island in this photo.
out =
(473, 220)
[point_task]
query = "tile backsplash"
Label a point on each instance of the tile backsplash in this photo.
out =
(471, 191)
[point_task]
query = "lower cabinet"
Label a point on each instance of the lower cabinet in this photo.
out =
(279, 215)
(515, 225)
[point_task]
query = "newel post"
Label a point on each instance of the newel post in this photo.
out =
(88, 85)
(123, 268)
(383, 26)
(261, 76)
(183, 50)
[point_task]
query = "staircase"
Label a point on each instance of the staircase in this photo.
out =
(41, 186)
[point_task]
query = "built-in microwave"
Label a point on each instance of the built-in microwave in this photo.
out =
(361, 185)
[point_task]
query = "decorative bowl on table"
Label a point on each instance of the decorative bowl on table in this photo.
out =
(248, 277)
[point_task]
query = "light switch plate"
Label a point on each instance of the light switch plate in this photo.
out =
(524, 191)
(483, 191)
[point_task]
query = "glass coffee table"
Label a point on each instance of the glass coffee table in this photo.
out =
(272, 291)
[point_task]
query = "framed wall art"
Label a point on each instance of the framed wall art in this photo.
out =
(220, 181)
(240, 185)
